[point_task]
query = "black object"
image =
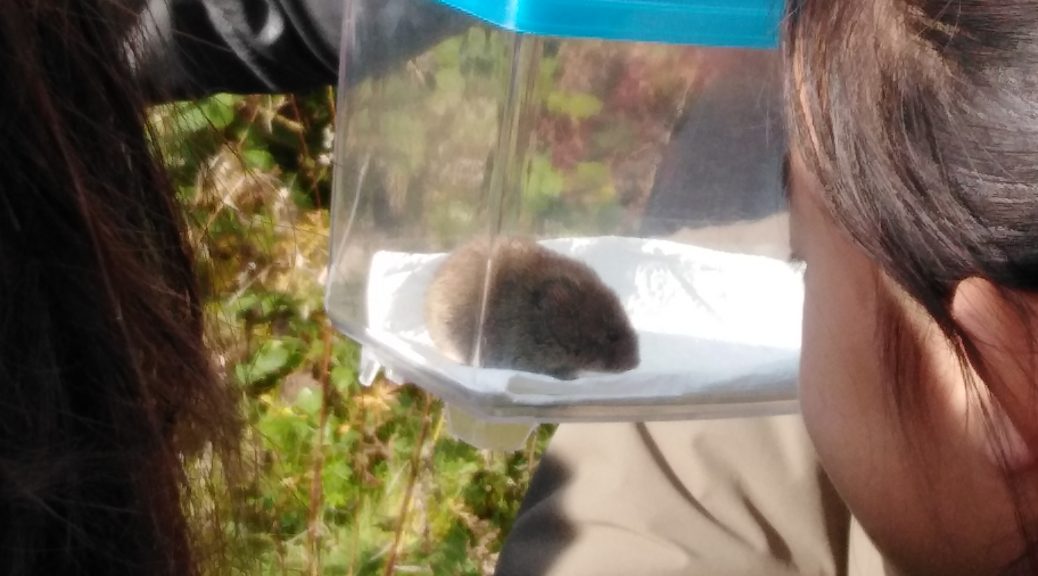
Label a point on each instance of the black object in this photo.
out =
(193, 48)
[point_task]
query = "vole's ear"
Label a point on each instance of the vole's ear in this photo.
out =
(1002, 326)
(555, 294)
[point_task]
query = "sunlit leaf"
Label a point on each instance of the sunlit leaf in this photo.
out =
(575, 105)
(309, 401)
(273, 357)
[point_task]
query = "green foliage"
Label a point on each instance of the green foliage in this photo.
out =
(347, 480)
(577, 106)
(253, 175)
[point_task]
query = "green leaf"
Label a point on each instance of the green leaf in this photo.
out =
(344, 378)
(259, 159)
(219, 110)
(273, 357)
(544, 185)
(575, 105)
(309, 401)
(190, 118)
(448, 52)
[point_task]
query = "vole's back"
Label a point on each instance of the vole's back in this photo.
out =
(541, 310)
(455, 297)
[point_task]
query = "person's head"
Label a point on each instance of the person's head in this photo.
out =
(914, 189)
(104, 380)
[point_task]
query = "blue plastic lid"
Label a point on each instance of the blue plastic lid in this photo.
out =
(730, 23)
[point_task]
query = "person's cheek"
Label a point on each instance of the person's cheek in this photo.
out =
(844, 393)
(839, 377)
(838, 372)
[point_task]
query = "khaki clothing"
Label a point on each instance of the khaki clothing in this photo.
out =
(721, 497)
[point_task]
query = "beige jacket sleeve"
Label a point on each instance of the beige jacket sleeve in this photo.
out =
(721, 497)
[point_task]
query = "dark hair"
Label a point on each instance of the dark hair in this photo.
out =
(105, 383)
(920, 119)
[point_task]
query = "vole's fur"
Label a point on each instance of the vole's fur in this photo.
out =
(545, 312)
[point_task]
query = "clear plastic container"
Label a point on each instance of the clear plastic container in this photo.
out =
(641, 139)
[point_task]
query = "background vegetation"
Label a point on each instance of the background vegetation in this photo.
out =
(346, 480)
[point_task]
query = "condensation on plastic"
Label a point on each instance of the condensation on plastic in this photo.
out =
(485, 131)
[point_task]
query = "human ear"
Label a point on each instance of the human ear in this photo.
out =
(1001, 326)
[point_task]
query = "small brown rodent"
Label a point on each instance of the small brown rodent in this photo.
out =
(545, 312)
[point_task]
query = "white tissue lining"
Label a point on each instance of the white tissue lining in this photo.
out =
(714, 327)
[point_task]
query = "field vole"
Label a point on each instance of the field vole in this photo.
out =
(545, 312)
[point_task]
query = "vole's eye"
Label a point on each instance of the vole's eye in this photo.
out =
(613, 336)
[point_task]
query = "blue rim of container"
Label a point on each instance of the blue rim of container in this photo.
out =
(722, 23)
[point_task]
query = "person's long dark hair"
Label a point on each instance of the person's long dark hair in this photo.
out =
(104, 379)
(920, 119)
